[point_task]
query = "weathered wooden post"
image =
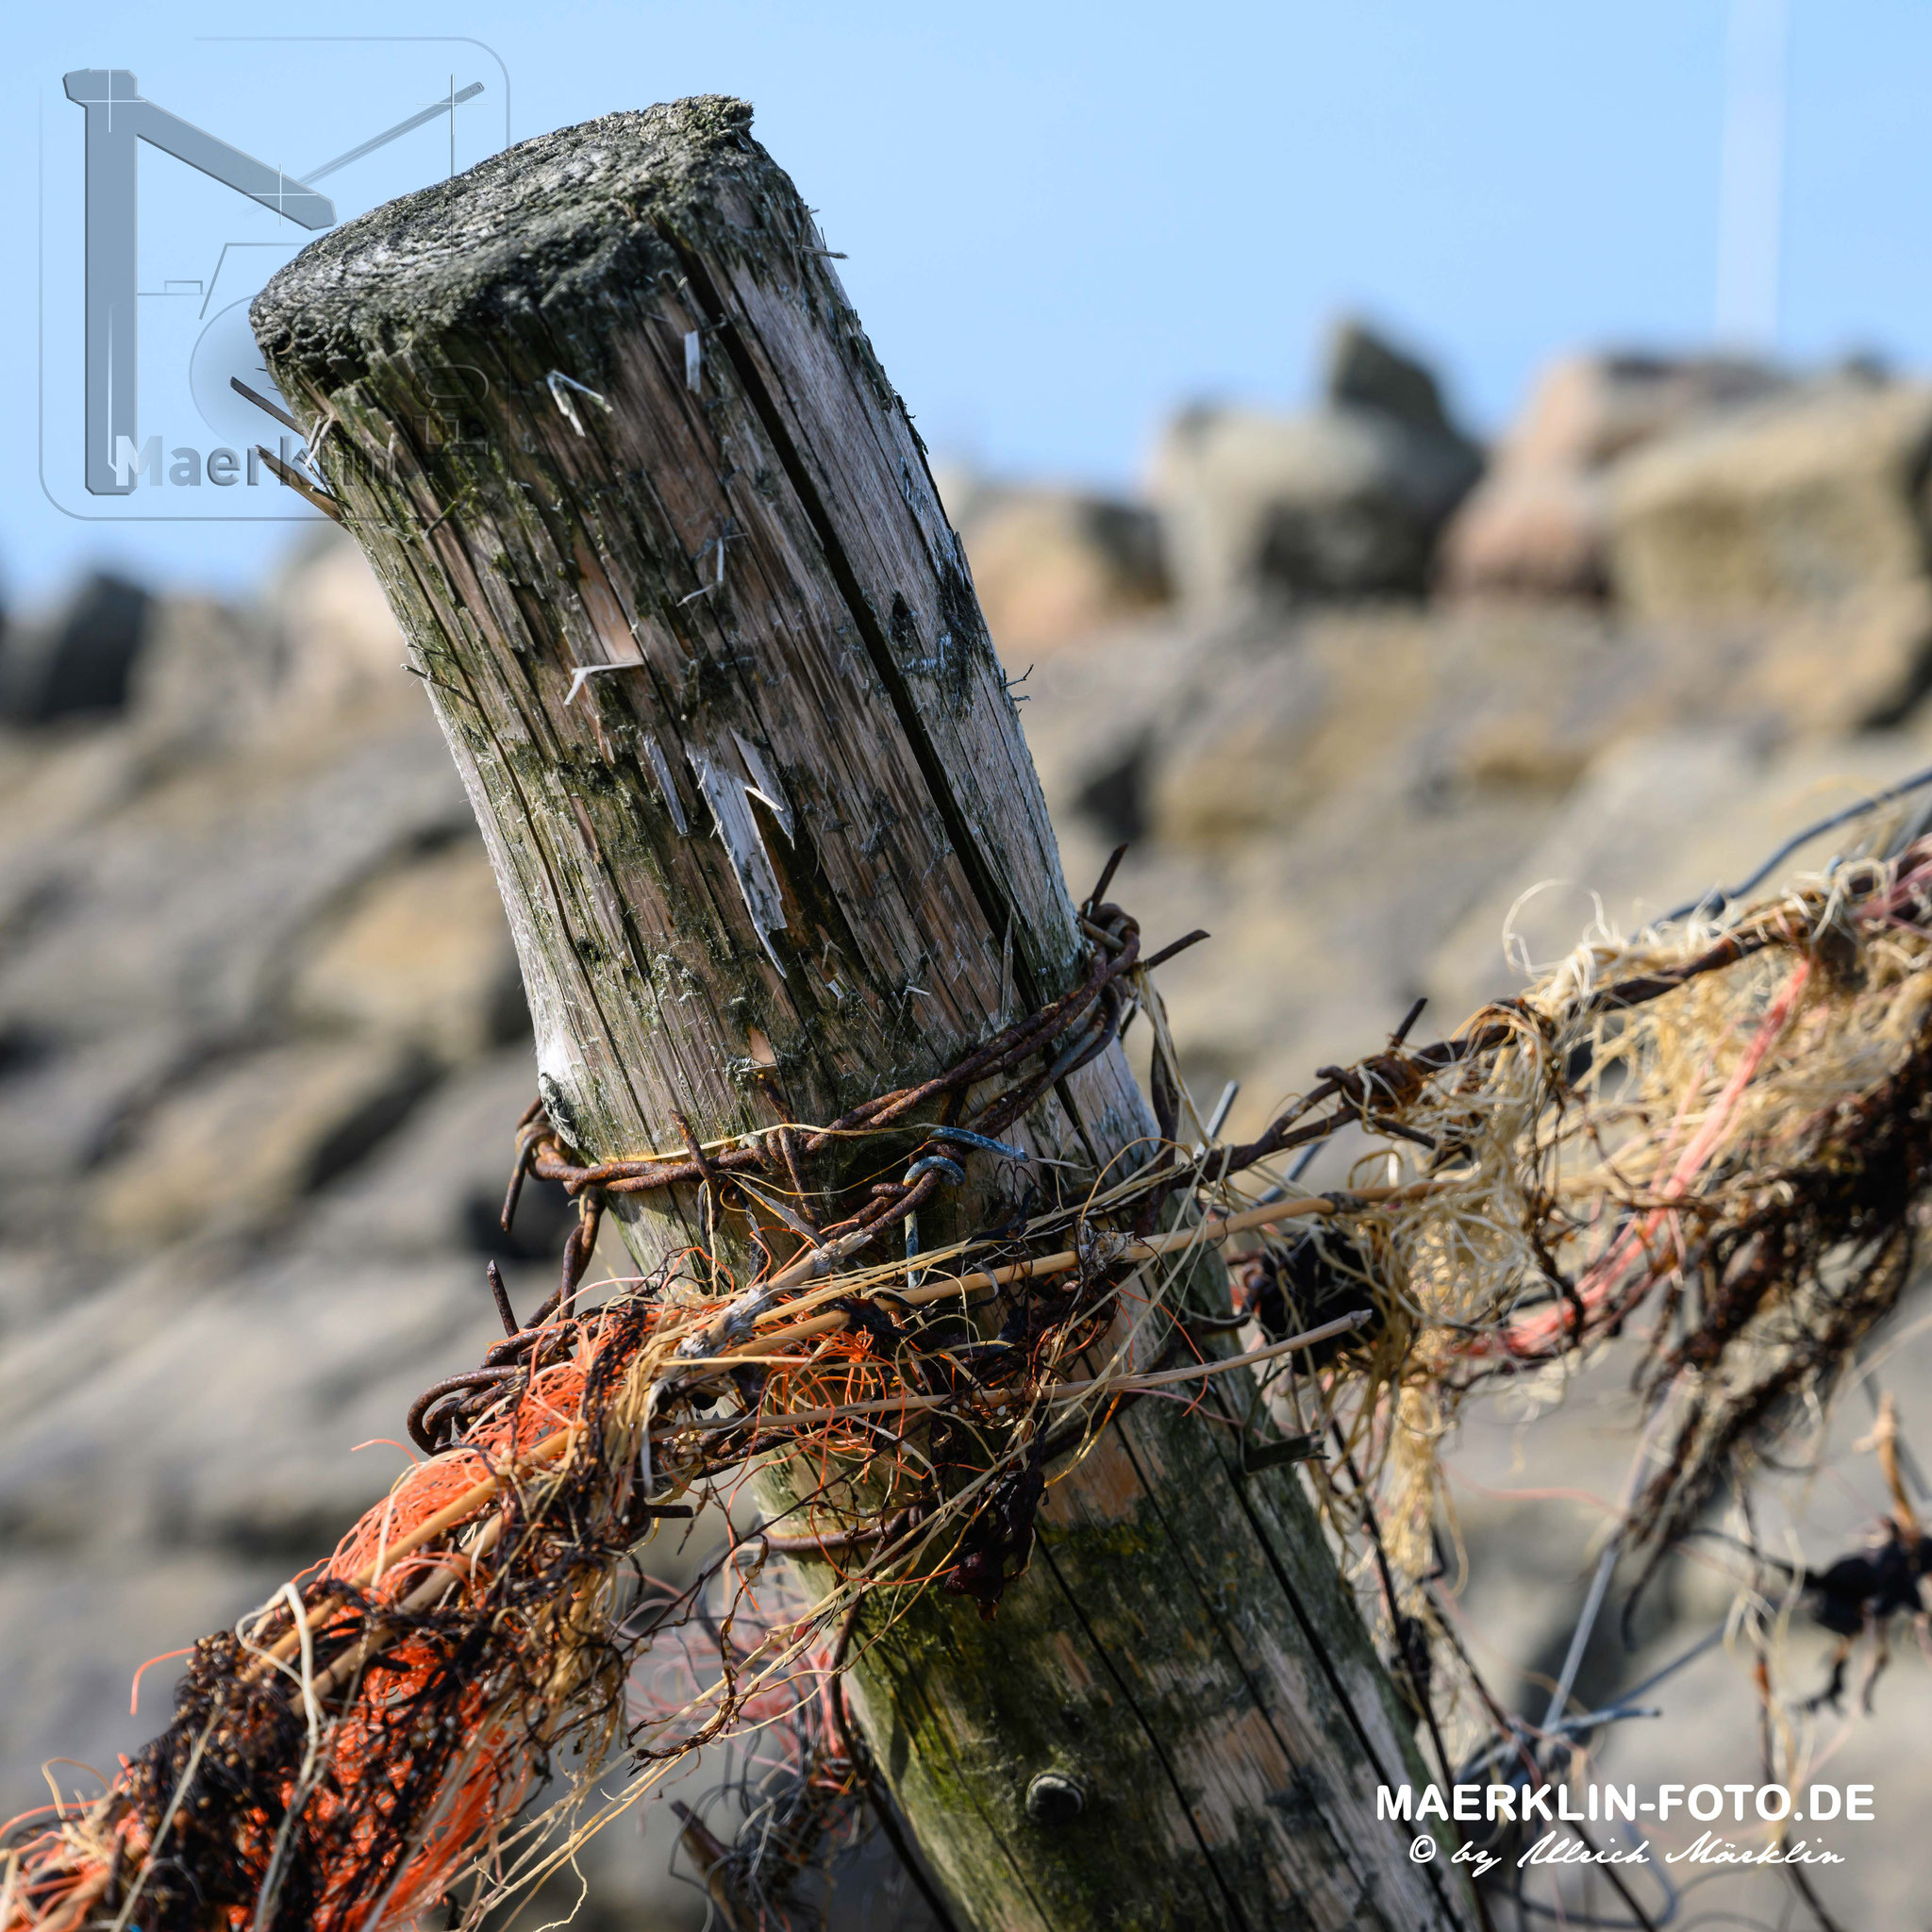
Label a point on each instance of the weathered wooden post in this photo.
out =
(709, 660)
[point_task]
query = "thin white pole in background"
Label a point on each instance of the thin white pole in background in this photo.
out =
(1751, 188)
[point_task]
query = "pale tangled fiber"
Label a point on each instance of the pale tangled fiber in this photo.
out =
(1726, 1137)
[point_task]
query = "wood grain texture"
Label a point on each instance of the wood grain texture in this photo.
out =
(707, 654)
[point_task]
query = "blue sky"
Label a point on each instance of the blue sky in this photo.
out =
(1063, 219)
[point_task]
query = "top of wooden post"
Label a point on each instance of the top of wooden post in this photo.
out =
(665, 538)
(516, 229)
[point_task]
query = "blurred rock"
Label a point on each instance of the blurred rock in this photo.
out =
(54, 787)
(421, 954)
(1796, 502)
(1529, 533)
(340, 642)
(187, 1438)
(1537, 522)
(232, 1147)
(1860, 663)
(75, 1626)
(81, 660)
(1363, 371)
(1334, 792)
(185, 903)
(1345, 502)
(1272, 718)
(212, 674)
(1269, 728)
(62, 1104)
(1588, 410)
(164, 881)
(1095, 730)
(439, 1188)
(1657, 820)
(1053, 566)
(321, 645)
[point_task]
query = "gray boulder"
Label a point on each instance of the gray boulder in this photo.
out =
(81, 659)
(1347, 501)
(1363, 371)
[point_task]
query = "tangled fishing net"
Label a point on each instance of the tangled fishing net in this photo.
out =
(1716, 1139)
